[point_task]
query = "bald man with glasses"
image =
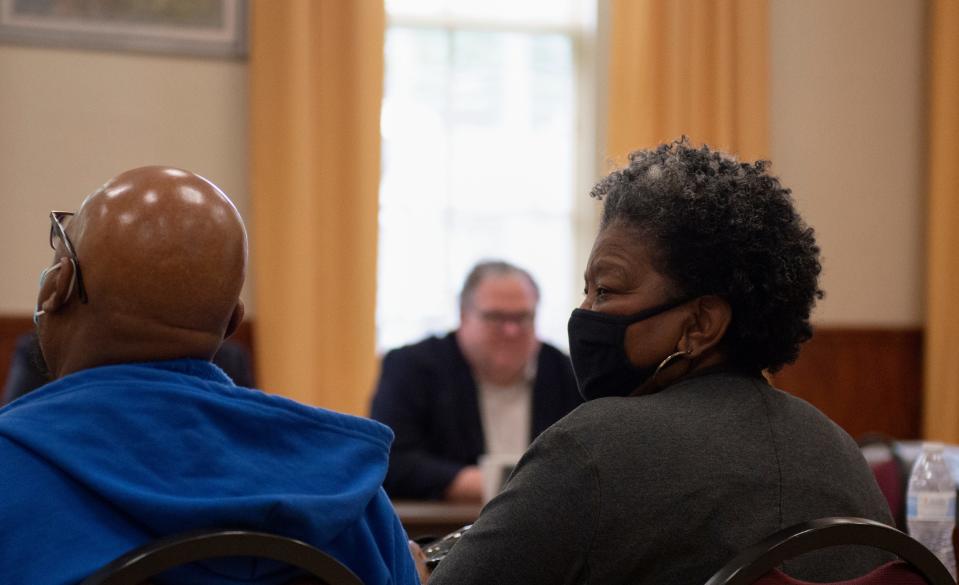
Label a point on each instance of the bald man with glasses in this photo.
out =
(140, 436)
(490, 387)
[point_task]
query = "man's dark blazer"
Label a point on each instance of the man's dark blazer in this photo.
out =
(427, 395)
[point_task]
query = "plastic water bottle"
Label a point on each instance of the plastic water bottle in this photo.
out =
(931, 504)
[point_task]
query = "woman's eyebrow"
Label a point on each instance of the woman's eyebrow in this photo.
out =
(609, 267)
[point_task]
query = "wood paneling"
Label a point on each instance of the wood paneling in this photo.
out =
(864, 379)
(12, 327)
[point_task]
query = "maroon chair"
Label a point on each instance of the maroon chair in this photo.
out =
(890, 471)
(894, 573)
(757, 564)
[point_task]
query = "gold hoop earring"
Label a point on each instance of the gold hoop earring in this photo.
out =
(668, 361)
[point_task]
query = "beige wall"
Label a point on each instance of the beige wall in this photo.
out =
(70, 120)
(846, 136)
(847, 115)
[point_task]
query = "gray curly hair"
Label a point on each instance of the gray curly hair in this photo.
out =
(727, 228)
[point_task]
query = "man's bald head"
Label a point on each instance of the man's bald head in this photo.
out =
(162, 253)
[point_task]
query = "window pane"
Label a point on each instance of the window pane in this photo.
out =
(565, 13)
(478, 162)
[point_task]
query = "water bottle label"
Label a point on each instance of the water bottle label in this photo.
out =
(931, 506)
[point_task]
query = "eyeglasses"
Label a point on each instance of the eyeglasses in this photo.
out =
(57, 231)
(499, 318)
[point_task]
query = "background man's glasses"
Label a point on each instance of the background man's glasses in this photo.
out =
(57, 232)
(500, 318)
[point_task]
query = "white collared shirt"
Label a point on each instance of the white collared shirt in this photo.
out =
(506, 413)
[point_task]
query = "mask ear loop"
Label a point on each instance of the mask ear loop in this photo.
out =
(38, 312)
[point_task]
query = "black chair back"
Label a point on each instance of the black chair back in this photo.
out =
(754, 562)
(141, 564)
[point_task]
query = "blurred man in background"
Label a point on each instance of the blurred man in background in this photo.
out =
(490, 387)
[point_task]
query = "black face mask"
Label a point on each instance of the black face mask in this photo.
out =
(597, 347)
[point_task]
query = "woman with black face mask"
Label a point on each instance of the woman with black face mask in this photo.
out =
(701, 278)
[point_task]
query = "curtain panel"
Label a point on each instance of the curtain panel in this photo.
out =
(316, 83)
(941, 369)
(693, 67)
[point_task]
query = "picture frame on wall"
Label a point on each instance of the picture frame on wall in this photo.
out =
(202, 28)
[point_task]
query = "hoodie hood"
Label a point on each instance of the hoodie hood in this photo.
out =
(175, 446)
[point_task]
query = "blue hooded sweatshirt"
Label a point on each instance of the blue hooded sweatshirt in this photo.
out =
(108, 459)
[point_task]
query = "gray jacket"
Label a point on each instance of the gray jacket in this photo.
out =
(666, 488)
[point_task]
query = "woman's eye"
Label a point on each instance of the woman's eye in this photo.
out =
(601, 292)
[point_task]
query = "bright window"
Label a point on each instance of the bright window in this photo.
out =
(482, 148)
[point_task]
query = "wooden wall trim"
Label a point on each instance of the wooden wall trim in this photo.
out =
(10, 329)
(13, 326)
(865, 379)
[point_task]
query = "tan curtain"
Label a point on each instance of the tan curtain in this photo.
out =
(316, 75)
(694, 67)
(941, 397)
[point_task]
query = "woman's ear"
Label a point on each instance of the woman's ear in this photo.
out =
(709, 321)
(58, 286)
